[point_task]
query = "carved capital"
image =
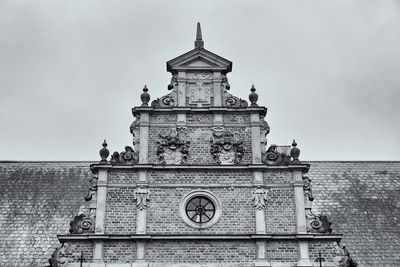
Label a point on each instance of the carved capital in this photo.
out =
(141, 197)
(260, 198)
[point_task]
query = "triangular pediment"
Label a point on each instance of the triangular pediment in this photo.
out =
(199, 59)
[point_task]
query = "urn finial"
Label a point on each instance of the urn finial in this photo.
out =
(104, 152)
(145, 97)
(253, 96)
(295, 152)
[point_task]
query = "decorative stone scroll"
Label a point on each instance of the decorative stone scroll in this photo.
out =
(167, 101)
(260, 198)
(81, 224)
(127, 157)
(173, 148)
(57, 257)
(227, 148)
(276, 155)
(317, 223)
(307, 188)
(228, 100)
(92, 188)
(141, 197)
(343, 258)
(134, 129)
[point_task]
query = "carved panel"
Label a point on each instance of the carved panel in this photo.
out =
(227, 148)
(204, 75)
(199, 93)
(173, 148)
(141, 197)
(260, 198)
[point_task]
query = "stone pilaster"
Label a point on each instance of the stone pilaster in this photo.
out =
(260, 198)
(100, 214)
(304, 259)
(181, 89)
(255, 138)
(217, 89)
(144, 138)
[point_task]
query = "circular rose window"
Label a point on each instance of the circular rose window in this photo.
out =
(200, 209)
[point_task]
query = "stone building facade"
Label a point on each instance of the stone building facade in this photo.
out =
(200, 186)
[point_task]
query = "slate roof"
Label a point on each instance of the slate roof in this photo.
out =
(361, 199)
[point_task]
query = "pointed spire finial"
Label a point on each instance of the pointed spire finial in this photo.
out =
(199, 38)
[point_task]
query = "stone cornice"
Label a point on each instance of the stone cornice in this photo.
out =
(255, 237)
(290, 167)
(259, 109)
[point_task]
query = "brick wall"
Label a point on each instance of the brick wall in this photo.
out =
(120, 211)
(241, 252)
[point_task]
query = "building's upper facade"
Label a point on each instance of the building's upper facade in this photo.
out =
(200, 186)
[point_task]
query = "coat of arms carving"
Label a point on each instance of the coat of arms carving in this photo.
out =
(173, 148)
(227, 148)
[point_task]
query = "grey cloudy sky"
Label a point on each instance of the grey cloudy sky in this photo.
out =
(328, 71)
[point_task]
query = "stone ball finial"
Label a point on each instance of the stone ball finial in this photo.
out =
(104, 152)
(145, 97)
(253, 96)
(295, 152)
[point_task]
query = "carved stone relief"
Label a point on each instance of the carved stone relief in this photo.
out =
(141, 197)
(57, 257)
(264, 131)
(173, 148)
(200, 93)
(317, 223)
(135, 130)
(92, 188)
(342, 258)
(227, 148)
(307, 188)
(81, 224)
(127, 157)
(276, 155)
(228, 100)
(260, 198)
(168, 101)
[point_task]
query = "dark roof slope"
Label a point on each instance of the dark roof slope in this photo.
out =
(38, 199)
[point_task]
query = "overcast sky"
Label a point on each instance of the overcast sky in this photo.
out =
(328, 71)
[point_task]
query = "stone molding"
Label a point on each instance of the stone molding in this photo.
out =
(267, 237)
